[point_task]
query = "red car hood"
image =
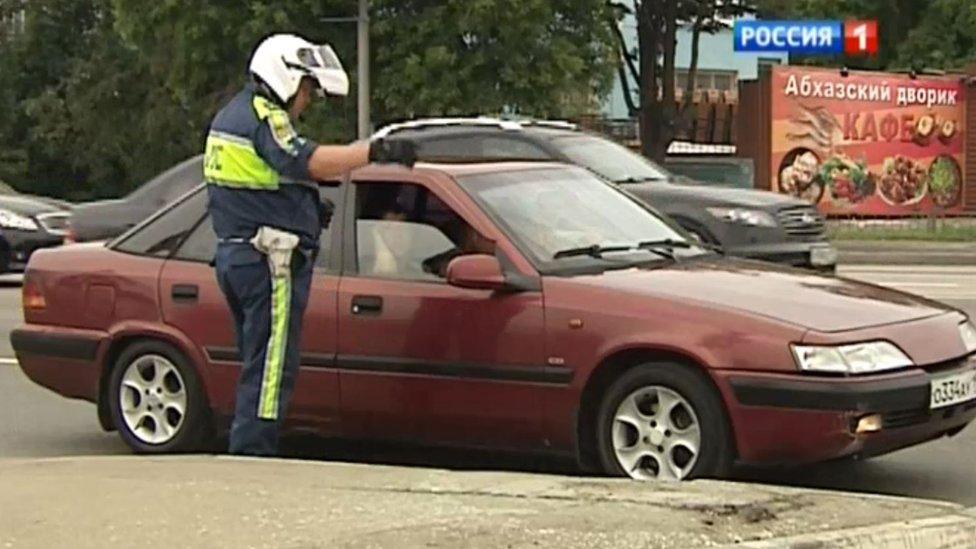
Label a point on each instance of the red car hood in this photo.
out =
(819, 302)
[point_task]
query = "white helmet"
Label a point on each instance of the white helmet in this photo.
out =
(282, 60)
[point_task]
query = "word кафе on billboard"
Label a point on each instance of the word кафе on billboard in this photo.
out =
(868, 143)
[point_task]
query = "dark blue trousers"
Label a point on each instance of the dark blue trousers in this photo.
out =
(267, 314)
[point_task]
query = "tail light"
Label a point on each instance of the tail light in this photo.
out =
(33, 295)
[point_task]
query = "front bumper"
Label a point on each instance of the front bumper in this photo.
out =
(791, 418)
(19, 245)
(814, 254)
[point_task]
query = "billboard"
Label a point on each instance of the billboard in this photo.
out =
(876, 144)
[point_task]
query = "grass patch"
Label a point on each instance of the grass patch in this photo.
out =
(943, 232)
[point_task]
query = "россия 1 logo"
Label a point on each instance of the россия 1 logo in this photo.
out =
(807, 37)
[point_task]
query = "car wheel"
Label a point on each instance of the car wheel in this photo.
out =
(663, 421)
(157, 401)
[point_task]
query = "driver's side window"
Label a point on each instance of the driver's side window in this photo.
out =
(404, 231)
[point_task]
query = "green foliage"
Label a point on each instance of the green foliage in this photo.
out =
(912, 34)
(198, 51)
(98, 95)
(454, 57)
(944, 230)
(944, 37)
(81, 115)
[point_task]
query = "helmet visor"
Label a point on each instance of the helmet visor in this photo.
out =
(329, 59)
(322, 57)
(322, 64)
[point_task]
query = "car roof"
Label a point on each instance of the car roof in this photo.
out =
(464, 169)
(473, 123)
(459, 169)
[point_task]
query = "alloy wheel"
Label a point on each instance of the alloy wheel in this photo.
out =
(153, 399)
(656, 434)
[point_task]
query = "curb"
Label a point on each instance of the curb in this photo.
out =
(951, 531)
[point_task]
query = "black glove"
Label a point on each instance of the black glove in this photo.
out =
(326, 207)
(391, 150)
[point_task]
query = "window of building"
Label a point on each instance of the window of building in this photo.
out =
(706, 79)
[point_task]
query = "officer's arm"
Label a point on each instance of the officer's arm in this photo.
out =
(328, 161)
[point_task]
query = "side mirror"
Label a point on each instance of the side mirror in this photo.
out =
(477, 272)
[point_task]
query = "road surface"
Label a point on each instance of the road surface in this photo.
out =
(39, 423)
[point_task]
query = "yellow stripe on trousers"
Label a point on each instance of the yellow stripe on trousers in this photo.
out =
(274, 358)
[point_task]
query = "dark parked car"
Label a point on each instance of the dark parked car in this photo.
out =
(59, 203)
(515, 305)
(105, 219)
(744, 222)
(28, 223)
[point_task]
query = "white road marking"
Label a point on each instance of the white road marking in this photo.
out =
(9, 361)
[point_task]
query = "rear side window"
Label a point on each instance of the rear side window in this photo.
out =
(201, 245)
(480, 147)
(161, 235)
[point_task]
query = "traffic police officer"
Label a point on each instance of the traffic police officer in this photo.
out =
(267, 216)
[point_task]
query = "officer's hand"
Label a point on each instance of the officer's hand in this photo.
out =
(392, 150)
(326, 208)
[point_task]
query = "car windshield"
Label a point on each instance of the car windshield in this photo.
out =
(608, 159)
(567, 218)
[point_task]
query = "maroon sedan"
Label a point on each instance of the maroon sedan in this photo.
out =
(520, 306)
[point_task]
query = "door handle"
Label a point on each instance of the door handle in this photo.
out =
(367, 305)
(185, 293)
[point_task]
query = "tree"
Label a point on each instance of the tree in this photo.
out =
(198, 52)
(33, 61)
(458, 57)
(109, 122)
(896, 19)
(97, 95)
(657, 25)
(944, 37)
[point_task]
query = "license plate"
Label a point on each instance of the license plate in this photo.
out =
(953, 389)
(823, 255)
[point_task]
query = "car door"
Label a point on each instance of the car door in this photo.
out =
(193, 303)
(418, 358)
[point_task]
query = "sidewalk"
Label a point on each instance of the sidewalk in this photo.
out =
(202, 501)
(905, 252)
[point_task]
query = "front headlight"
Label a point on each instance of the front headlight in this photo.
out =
(11, 220)
(968, 333)
(744, 216)
(856, 358)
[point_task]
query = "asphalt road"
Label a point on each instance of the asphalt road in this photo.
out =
(37, 423)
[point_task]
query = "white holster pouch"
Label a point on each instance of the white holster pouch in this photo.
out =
(278, 245)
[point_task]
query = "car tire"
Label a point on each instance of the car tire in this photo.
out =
(634, 435)
(157, 401)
